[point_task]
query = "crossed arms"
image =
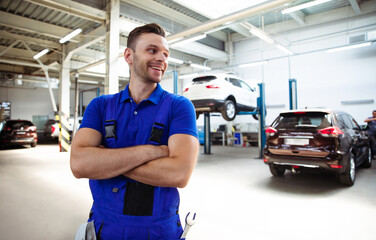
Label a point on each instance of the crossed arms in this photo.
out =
(163, 166)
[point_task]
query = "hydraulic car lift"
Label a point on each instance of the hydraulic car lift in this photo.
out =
(260, 111)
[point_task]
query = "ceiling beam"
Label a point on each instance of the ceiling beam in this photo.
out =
(37, 41)
(298, 16)
(73, 8)
(237, 16)
(25, 63)
(355, 6)
(178, 17)
(33, 26)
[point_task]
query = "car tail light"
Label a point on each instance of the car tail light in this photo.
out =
(265, 160)
(270, 131)
(52, 129)
(212, 86)
(8, 129)
(299, 112)
(330, 132)
(336, 166)
(186, 90)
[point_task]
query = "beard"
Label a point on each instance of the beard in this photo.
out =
(141, 69)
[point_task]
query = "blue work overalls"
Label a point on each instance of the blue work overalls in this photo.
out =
(126, 209)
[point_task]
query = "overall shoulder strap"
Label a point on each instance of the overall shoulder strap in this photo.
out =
(161, 120)
(110, 121)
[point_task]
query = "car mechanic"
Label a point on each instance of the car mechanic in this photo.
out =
(137, 147)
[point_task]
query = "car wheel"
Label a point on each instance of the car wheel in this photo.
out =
(276, 171)
(348, 178)
(33, 145)
(368, 162)
(229, 110)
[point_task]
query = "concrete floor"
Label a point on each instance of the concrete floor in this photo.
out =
(232, 191)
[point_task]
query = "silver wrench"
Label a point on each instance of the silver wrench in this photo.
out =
(190, 220)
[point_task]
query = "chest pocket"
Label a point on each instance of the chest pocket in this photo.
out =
(159, 126)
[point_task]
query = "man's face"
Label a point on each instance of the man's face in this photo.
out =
(148, 60)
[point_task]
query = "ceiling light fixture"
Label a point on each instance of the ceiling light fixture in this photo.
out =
(192, 39)
(200, 66)
(41, 53)
(349, 47)
(260, 34)
(283, 49)
(70, 35)
(174, 60)
(302, 6)
(253, 64)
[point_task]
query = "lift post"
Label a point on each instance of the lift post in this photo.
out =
(293, 94)
(260, 111)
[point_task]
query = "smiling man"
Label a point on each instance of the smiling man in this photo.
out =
(137, 147)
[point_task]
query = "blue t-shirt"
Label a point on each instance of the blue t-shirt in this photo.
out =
(134, 122)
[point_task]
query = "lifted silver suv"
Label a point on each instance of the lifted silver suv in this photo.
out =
(222, 93)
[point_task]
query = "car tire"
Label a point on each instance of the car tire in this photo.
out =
(276, 171)
(229, 110)
(368, 162)
(348, 178)
(33, 145)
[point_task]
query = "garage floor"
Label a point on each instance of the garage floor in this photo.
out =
(232, 191)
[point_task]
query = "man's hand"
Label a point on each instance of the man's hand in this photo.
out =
(174, 170)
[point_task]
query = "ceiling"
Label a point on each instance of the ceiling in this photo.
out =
(29, 26)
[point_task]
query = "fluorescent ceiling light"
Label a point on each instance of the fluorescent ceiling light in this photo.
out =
(283, 49)
(70, 35)
(200, 66)
(260, 34)
(88, 81)
(174, 60)
(192, 75)
(192, 39)
(41, 53)
(253, 64)
(302, 6)
(349, 47)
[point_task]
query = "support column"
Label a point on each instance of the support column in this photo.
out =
(293, 94)
(207, 137)
(64, 103)
(112, 47)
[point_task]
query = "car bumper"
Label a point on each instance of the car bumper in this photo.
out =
(208, 104)
(333, 164)
(22, 141)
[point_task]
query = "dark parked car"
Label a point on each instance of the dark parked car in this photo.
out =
(18, 132)
(317, 139)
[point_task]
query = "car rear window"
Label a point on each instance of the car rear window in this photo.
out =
(316, 120)
(19, 124)
(201, 80)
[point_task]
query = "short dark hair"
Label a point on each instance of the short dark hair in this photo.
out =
(148, 28)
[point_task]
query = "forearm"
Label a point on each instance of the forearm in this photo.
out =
(104, 163)
(90, 160)
(163, 172)
(172, 171)
(370, 119)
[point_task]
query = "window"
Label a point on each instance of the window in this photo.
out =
(245, 86)
(235, 82)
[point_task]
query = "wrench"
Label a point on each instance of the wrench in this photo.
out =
(190, 220)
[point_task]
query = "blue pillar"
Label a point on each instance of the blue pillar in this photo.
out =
(293, 94)
(175, 73)
(207, 138)
(262, 112)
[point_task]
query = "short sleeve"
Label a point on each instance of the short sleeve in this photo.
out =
(183, 117)
(93, 116)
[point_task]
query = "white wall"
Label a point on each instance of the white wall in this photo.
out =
(323, 79)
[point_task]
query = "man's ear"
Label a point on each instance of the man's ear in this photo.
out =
(128, 55)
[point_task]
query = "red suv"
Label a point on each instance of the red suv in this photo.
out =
(317, 139)
(18, 132)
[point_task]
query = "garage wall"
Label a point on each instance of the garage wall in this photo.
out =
(324, 79)
(29, 102)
